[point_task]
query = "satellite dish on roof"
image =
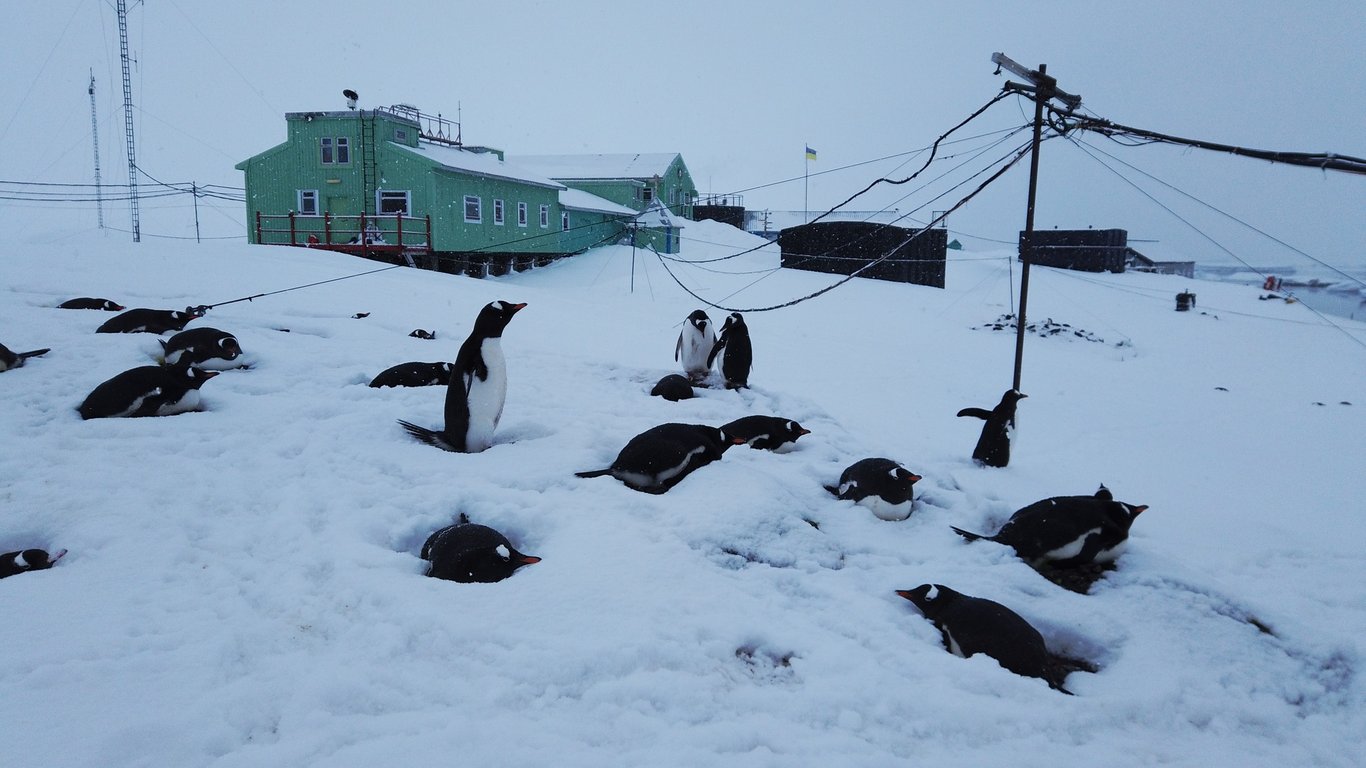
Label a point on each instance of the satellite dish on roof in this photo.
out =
(351, 98)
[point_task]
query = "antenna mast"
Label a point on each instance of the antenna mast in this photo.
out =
(95, 136)
(122, 9)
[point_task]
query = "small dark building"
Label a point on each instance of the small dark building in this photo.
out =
(1084, 250)
(844, 247)
(727, 209)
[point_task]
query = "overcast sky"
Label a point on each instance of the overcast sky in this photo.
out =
(739, 89)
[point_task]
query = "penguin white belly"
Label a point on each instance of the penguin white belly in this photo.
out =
(696, 349)
(1072, 548)
(486, 398)
(187, 402)
(885, 510)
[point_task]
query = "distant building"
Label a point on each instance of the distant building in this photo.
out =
(1096, 250)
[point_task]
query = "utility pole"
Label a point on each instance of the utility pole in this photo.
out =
(194, 190)
(1041, 88)
(122, 8)
(95, 136)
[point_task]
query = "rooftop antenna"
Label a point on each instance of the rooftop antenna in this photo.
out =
(122, 8)
(351, 98)
(95, 136)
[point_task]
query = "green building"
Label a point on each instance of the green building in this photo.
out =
(397, 185)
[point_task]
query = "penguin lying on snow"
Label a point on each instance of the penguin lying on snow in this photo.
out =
(694, 346)
(993, 446)
(673, 388)
(765, 432)
(203, 348)
(733, 354)
(149, 390)
(1067, 531)
(972, 625)
(882, 485)
(478, 386)
(660, 457)
(142, 320)
(10, 359)
(88, 302)
(414, 375)
(12, 563)
(467, 552)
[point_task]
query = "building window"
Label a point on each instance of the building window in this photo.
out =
(564, 220)
(545, 216)
(327, 150)
(647, 194)
(391, 201)
(474, 209)
(335, 150)
(343, 150)
(521, 214)
(308, 202)
(400, 134)
(673, 196)
(498, 212)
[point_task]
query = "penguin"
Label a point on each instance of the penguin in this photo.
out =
(766, 432)
(203, 348)
(86, 302)
(660, 457)
(143, 320)
(882, 485)
(694, 346)
(149, 390)
(12, 563)
(418, 333)
(1067, 531)
(467, 552)
(477, 388)
(733, 354)
(993, 447)
(972, 625)
(414, 375)
(673, 388)
(9, 360)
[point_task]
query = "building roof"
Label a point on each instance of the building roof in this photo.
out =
(658, 217)
(620, 166)
(478, 163)
(578, 200)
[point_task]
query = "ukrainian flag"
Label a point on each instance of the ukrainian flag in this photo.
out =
(810, 153)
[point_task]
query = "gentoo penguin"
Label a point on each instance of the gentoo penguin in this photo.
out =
(143, 320)
(766, 432)
(733, 354)
(658, 458)
(203, 348)
(881, 485)
(149, 390)
(478, 386)
(972, 625)
(694, 345)
(467, 552)
(28, 560)
(418, 333)
(674, 388)
(10, 359)
(414, 375)
(1067, 531)
(87, 302)
(993, 447)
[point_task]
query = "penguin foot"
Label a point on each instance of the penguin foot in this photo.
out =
(429, 436)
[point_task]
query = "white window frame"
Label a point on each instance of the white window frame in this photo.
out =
(478, 203)
(521, 215)
(300, 196)
(498, 212)
(343, 150)
(545, 217)
(564, 221)
(382, 195)
(326, 153)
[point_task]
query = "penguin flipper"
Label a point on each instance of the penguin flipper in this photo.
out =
(594, 473)
(969, 535)
(678, 348)
(715, 350)
(430, 436)
(976, 413)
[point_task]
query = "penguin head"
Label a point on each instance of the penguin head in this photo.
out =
(733, 321)
(796, 430)
(699, 320)
(1132, 511)
(931, 599)
(193, 377)
(36, 559)
(228, 348)
(495, 316)
(485, 565)
(904, 476)
(724, 439)
(1012, 396)
(109, 306)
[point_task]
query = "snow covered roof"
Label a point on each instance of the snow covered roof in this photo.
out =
(658, 216)
(620, 166)
(479, 163)
(578, 200)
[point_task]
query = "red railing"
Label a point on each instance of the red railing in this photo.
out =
(362, 235)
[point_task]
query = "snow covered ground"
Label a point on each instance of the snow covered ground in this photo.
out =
(243, 586)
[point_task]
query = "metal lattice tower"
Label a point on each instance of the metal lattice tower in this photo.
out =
(95, 136)
(128, 119)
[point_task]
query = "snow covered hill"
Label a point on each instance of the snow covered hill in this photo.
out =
(243, 586)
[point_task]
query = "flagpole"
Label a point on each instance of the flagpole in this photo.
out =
(806, 184)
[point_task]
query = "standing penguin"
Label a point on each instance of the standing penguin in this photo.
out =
(203, 348)
(993, 447)
(90, 302)
(733, 354)
(478, 386)
(1067, 531)
(149, 390)
(660, 457)
(28, 560)
(10, 359)
(766, 432)
(881, 485)
(694, 346)
(467, 552)
(972, 625)
(142, 320)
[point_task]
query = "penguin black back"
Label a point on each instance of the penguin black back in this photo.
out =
(12, 563)
(143, 320)
(414, 375)
(467, 552)
(993, 445)
(765, 432)
(972, 625)
(90, 302)
(660, 457)
(734, 351)
(673, 388)
(1067, 531)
